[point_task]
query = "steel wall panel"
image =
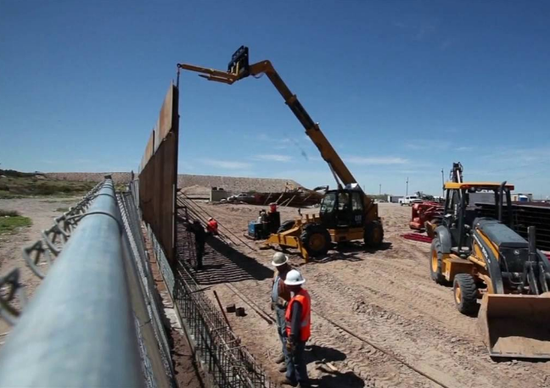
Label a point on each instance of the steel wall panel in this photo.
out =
(158, 177)
(168, 113)
(157, 138)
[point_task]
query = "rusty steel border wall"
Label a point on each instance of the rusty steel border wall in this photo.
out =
(158, 175)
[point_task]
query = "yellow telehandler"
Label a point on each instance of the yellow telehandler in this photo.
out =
(346, 213)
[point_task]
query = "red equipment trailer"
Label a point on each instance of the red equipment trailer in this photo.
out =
(423, 212)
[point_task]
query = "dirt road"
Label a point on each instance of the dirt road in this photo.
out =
(377, 316)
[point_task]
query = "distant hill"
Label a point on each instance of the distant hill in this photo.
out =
(195, 182)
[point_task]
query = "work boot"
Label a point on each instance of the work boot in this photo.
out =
(282, 368)
(280, 359)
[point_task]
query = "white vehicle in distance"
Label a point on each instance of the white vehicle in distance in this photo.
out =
(409, 200)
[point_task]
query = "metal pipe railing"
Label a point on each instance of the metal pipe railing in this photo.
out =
(79, 330)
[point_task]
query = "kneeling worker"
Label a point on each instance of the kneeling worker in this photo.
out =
(212, 227)
(298, 329)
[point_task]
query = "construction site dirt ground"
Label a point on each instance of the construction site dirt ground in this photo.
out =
(378, 319)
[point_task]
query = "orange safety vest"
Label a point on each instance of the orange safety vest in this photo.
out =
(305, 327)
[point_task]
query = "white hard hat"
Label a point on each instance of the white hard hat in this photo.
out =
(279, 259)
(210, 219)
(294, 278)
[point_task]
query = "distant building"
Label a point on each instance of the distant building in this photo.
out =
(394, 198)
(520, 197)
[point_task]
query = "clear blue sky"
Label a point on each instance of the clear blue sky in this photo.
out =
(401, 88)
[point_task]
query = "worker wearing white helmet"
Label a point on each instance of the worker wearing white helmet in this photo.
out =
(280, 296)
(298, 329)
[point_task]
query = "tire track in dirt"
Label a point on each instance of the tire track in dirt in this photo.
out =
(374, 367)
(400, 309)
(464, 364)
(427, 300)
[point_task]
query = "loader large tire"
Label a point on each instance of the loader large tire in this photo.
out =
(436, 263)
(316, 240)
(465, 293)
(373, 234)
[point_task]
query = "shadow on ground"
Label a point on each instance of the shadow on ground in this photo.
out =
(320, 356)
(350, 252)
(383, 247)
(338, 380)
(315, 353)
(224, 264)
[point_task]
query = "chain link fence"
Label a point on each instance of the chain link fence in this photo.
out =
(226, 362)
(152, 318)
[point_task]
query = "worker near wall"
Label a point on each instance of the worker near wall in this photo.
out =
(280, 296)
(212, 227)
(200, 239)
(298, 329)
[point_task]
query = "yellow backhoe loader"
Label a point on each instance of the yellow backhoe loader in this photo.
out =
(483, 258)
(346, 213)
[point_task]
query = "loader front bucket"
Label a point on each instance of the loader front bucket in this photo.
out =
(516, 326)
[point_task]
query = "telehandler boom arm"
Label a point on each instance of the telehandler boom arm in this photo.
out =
(239, 68)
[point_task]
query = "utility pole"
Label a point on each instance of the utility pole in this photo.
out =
(442, 184)
(407, 190)
(380, 189)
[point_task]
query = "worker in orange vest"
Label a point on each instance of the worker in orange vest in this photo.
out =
(298, 330)
(212, 227)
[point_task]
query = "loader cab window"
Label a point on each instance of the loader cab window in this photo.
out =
(343, 201)
(328, 202)
(328, 209)
(357, 209)
(344, 215)
(356, 202)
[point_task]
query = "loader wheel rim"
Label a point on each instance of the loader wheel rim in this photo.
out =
(434, 261)
(458, 294)
(317, 242)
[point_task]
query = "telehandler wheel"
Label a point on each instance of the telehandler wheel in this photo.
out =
(436, 262)
(287, 225)
(465, 293)
(373, 234)
(316, 240)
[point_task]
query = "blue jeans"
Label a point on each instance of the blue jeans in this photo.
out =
(281, 328)
(296, 370)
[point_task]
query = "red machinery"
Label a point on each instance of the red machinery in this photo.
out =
(423, 212)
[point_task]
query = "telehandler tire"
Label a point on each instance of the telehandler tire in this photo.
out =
(465, 294)
(373, 234)
(316, 240)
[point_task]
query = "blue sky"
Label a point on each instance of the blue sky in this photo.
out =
(401, 88)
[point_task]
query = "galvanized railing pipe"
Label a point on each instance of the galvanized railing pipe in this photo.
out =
(79, 330)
